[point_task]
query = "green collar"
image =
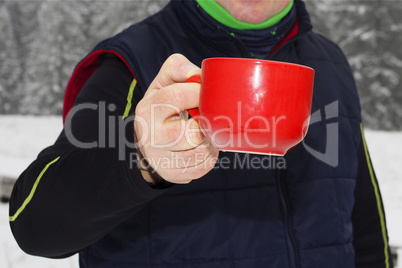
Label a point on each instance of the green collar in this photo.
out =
(217, 12)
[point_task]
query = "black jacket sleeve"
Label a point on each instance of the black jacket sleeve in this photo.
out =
(88, 182)
(368, 217)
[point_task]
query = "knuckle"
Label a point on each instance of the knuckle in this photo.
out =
(172, 61)
(175, 57)
(172, 66)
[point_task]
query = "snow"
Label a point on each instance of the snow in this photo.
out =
(386, 155)
(11, 256)
(23, 137)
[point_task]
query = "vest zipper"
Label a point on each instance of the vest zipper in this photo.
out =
(290, 240)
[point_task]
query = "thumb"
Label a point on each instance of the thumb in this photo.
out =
(176, 69)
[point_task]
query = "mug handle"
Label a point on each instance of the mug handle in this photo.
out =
(194, 112)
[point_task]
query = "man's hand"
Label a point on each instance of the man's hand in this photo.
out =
(172, 144)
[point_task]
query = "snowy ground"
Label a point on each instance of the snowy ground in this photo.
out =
(23, 137)
(385, 150)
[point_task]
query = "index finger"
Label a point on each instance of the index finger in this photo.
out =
(176, 98)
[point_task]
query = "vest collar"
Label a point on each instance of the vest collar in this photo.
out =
(218, 40)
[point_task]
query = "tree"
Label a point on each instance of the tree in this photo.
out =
(369, 32)
(19, 24)
(43, 40)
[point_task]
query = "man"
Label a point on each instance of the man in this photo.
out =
(181, 206)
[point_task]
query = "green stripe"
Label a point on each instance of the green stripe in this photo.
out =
(31, 194)
(129, 98)
(217, 12)
(378, 198)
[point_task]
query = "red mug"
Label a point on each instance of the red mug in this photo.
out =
(254, 106)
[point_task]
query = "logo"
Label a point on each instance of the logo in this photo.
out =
(331, 154)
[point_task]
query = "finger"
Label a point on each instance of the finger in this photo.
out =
(184, 170)
(166, 162)
(202, 167)
(176, 69)
(170, 102)
(195, 169)
(178, 135)
(173, 99)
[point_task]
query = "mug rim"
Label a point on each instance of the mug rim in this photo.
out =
(259, 60)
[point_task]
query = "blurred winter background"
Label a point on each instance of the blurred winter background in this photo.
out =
(42, 40)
